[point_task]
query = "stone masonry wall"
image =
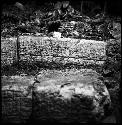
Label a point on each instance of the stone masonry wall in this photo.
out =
(59, 50)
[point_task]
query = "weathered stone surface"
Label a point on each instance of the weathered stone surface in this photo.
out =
(8, 50)
(59, 50)
(63, 96)
(70, 96)
(16, 99)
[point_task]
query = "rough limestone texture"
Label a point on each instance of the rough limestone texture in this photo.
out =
(16, 99)
(70, 96)
(55, 95)
(62, 50)
(8, 50)
(49, 49)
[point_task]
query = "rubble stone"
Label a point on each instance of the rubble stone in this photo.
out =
(70, 96)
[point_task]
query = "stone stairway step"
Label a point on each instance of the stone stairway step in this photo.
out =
(60, 50)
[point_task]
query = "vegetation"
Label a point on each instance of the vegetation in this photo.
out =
(15, 20)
